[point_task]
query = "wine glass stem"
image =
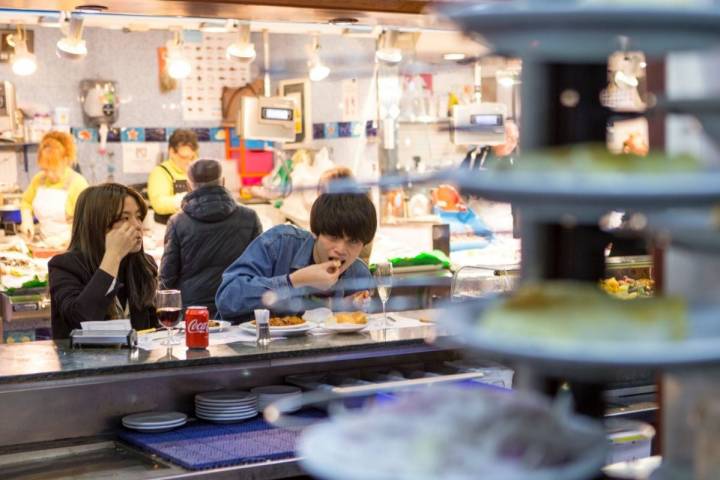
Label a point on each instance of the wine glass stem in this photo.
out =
(385, 321)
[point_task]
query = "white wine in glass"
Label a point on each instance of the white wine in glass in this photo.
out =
(383, 280)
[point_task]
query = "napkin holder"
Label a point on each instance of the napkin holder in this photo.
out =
(103, 338)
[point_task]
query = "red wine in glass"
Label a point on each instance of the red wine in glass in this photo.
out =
(168, 316)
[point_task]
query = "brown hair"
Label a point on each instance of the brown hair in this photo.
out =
(57, 139)
(183, 136)
(96, 210)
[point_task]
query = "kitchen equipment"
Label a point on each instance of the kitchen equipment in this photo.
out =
(10, 125)
(479, 124)
(79, 338)
(100, 106)
(267, 118)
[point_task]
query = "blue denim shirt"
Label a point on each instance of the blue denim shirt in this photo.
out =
(265, 266)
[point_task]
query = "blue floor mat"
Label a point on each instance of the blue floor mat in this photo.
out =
(202, 445)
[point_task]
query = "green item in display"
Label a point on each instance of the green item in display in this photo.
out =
(436, 257)
(34, 283)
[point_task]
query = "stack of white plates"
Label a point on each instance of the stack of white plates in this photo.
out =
(226, 406)
(272, 393)
(154, 422)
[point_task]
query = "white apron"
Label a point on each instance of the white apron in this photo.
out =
(49, 209)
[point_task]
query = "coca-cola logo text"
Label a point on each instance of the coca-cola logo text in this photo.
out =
(197, 326)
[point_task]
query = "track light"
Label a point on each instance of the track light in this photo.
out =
(243, 49)
(23, 62)
(388, 51)
(317, 69)
(178, 66)
(72, 46)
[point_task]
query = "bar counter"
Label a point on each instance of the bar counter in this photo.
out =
(54, 360)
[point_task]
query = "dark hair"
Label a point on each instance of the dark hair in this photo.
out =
(205, 171)
(183, 136)
(96, 210)
(349, 215)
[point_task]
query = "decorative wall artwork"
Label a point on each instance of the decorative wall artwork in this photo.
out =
(211, 71)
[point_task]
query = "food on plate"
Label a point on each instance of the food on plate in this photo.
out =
(591, 158)
(627, 288)
(354, 318)
(458, 433)
(213, 323)
(572, 312)
(289, 321)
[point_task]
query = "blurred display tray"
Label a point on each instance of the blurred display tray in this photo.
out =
(553, 192)
(584, 30)
(691, 228)
(585, 359)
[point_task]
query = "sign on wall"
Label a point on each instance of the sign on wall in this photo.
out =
(211, 71)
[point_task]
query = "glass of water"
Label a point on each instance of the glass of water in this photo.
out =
(383, 281)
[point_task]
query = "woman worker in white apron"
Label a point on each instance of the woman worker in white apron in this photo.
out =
(53, 191)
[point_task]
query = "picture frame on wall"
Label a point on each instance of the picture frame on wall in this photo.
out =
(298, 90)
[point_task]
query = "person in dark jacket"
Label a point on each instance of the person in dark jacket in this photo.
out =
(104, 274)
(202, 240)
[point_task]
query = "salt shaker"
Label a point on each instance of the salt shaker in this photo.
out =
(262, 325)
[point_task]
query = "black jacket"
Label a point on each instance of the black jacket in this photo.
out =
(79, 295)
(202, 240)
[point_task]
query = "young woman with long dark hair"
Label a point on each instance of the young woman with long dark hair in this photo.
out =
(105, 274)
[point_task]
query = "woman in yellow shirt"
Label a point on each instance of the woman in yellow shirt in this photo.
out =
(53, 191)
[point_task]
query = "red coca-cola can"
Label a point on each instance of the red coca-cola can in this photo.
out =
(196, 327)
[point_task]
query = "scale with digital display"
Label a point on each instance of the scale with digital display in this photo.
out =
(267, 118)
(479, 124)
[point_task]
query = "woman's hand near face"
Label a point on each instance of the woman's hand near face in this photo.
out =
(119, 241)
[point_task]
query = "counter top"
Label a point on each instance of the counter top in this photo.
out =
(50, 360)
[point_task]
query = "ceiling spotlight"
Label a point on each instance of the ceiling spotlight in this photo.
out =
(23, 62)
(243, 49)
(317, 69)
(72, 46)
(388, 51)
(178, 66)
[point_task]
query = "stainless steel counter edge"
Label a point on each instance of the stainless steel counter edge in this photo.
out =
(54, 360)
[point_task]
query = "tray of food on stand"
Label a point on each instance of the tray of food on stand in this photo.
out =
(576, 330)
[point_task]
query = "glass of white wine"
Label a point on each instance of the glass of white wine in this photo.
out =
(383, 281)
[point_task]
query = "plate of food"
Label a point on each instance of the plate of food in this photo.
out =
(452, 432)
(346, 322)
(282, 326)
(572, 327)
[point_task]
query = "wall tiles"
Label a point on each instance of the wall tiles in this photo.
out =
(332, 130)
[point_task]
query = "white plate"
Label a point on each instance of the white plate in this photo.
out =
(154, 419)
(450, 432)
(344, 327)
(228, 418)
(225, 397)
(155, 430)
(281, 331)
(226, 411)
(584, 358)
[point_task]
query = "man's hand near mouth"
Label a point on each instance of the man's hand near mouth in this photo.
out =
(321, 275)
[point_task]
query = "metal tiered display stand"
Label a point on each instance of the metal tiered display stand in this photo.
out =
(564, 46)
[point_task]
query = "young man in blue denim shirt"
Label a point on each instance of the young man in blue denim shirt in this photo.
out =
(287, 269)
